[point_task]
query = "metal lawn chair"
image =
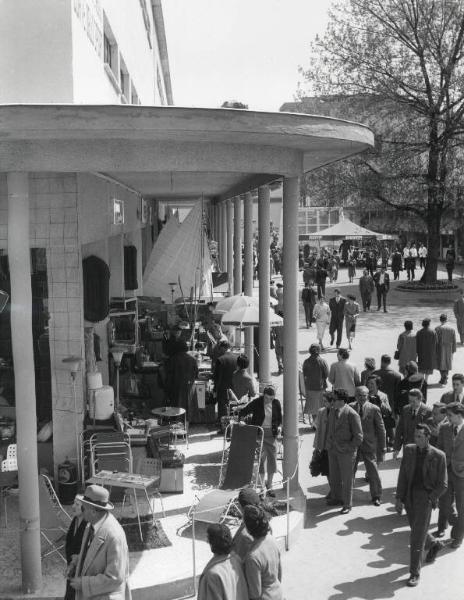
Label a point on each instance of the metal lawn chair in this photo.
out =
(239, 469)
(151, 467)
(54, 520)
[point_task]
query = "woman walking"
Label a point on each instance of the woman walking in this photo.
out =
(321, 315)
(406, 347)
(351, 312)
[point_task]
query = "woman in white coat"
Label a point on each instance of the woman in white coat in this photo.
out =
(321, 315)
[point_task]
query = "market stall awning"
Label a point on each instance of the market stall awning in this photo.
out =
(346, 230)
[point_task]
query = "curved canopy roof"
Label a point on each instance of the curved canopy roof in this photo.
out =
(174, 152)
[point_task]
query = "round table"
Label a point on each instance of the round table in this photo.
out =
(173, 412)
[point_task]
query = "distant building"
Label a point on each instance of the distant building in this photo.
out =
(83, 52)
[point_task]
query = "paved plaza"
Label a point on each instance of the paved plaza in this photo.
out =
(365, 555)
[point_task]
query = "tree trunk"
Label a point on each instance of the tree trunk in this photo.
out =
(433, 231)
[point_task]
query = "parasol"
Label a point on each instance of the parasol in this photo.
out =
(238, 301)
(248, 316)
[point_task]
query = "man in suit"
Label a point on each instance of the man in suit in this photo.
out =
(421, 481)
(101, 570)
(458, 309)
(446, 347)
(344, 436)
(343, 374)
(366, 289)
(382, 284)
(337, 316)
(389, 378)
(308, 297)
(372, 448)
(223, 370)
(413, 414)
(451, 441)
(457, 393)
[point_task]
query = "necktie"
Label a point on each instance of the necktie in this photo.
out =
(361, 410)
(413, 414)
(455, 430)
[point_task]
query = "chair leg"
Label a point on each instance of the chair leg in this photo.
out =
(161, 502)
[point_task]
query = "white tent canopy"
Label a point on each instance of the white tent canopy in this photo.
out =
(182, 257)
(347, 230)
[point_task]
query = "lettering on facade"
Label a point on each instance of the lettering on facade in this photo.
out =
(90, 15)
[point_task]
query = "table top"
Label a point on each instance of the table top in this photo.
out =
(168, 411)
(121, 479)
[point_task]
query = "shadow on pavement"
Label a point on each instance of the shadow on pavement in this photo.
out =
(372, 588)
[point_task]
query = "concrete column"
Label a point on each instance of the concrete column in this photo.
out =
(223, 245)
(290, 337)
(264, 274)
(24, 374)
(230, 245)
(237, 245)
(248, 270)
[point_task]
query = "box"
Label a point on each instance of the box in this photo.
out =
(172, 480)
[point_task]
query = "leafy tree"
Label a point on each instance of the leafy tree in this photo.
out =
(402, 62)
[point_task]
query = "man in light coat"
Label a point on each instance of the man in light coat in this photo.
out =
(458, 309)
(101, 570)
(372, 448)
(344, 375)
(344, 436)
(446, 347)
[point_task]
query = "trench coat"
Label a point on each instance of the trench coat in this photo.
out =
(446, 346)
(426, 342)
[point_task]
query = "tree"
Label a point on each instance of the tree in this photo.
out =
(406, 57)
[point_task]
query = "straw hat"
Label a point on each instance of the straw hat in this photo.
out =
(97, 496)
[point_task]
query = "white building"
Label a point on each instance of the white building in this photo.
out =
(83, 52)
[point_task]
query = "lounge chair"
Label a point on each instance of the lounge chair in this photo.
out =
(54, 520)
(239, 468)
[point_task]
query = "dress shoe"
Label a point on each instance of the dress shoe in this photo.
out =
(439, 533)
(376, 501)
(413, 581)
(385, 310)
(455, 544)
(433, 551)
(378, 308)
(345, 510)
(334, 502)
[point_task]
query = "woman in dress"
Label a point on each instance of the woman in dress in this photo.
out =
(321, 315)
(406, 347)
(351, 312)
(263, 571)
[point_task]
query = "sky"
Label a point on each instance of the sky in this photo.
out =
(245, 50)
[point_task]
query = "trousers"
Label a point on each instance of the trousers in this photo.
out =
(341, 468)
(372, 472)
(419, 511)
(336, 326)
(381, 297)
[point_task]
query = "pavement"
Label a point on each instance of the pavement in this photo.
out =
(362, 555)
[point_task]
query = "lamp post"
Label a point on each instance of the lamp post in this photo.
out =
(117, 354)
(72, 364)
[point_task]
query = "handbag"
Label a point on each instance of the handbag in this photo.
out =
(319, 464)
(396, 356)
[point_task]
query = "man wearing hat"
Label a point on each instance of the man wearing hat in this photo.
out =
(102, 567)
(451, 441)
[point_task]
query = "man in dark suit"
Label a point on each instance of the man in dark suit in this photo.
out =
(308, 297)
(458, 309)
(389, 378)
(457, 393)
(372, 448)
(421, 481)
(344, 436)
(413, 414)
(223, 371)
(451, 441)
(382, 284)
(337, 315)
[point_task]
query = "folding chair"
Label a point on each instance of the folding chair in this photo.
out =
(239, 468)
(150, 467)
(54, 520)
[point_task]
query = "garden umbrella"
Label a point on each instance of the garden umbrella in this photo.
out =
(248, 316)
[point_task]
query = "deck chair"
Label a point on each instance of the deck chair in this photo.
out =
(54, 520)
(239, 468)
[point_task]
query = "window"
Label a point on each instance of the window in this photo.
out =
(107, 51)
